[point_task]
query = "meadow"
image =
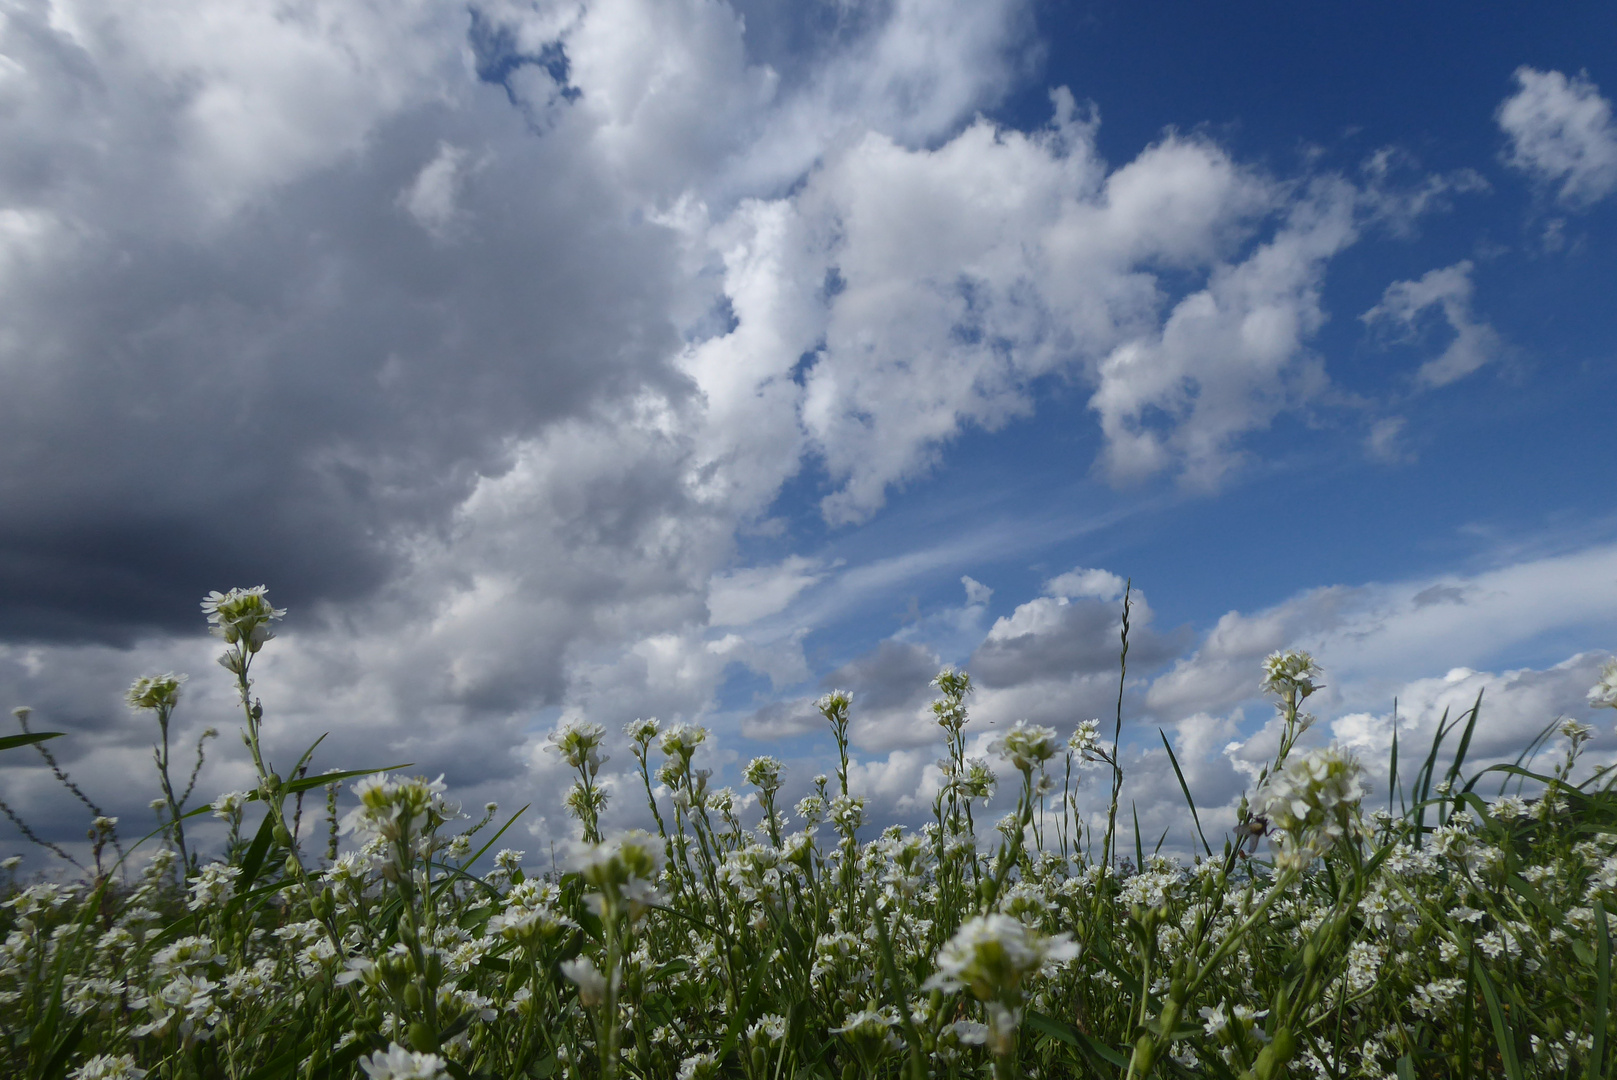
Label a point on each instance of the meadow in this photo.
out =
(1457, 924)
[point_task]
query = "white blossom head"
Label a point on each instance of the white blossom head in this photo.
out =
(588, 978)
(242, 615)
(397, 1063)
(1603, 694)
(108, 1067)
(641, 731)
(578, 742)
(1026, 746)
(155, 691)
(681, 741)
(764, 774)
(992, 955)
(1288, 670)
(1311, 800)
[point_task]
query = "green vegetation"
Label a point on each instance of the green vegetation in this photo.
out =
(1462, 930)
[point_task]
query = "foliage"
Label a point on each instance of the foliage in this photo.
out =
(1452, 935)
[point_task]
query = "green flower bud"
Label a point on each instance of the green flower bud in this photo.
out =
(412, 1000)
(422, 1038)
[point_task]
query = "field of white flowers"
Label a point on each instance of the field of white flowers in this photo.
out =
(1460, 929)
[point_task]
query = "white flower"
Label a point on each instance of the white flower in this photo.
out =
(1603, 694)
(215, 885)
(681, 740)
(641, 732)
(991, 955)
(1085, 737)
(1310, 800)
(579, 744)
(1292, 668)
(1025, 745)
(698, 1067)
(769, 1028)
(155, 691)
(108, 1067)
(763, 773)
(242, 615)
(591, 983)
(397, 1063)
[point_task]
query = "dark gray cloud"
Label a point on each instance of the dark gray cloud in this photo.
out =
(286, 393)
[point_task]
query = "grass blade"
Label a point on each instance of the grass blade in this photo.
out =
(1184, 787)
(1501, 1031)
(1602, 1002)
(9, 741)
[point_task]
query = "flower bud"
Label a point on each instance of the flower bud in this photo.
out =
(282, 837)
(293, 866)
(412, 1001)
(422, 1038)
(1272, 1059)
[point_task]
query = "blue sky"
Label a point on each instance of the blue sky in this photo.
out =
(593, 359)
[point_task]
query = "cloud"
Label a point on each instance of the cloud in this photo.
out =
(1449, 291)
(431, 197)
(1080, 582)
(483, 334)
(743, 596)
(1385, 440)
(1377, 637)
(1561, 134)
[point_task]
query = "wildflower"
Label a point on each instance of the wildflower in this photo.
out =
(108, 1067)
(1293, 668)
(1603, 694)
(848, 812)
(624, 871)
(392, 809)
(1026, 745)
(215, 885)
(591, 983)
(834, 706)
(579, 743)
(640, 733)
(242, 615)
(1085, 737)
(397, 1063)
(768, 1028)
(991, 955)
(871, 1033)
(698, 1067)
(763, 773)
(155, 691)
(509, 859)
(1509, 807)
(1311, 800)
(681, 741)
(977, 781)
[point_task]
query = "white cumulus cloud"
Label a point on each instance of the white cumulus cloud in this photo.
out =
(1561, 133)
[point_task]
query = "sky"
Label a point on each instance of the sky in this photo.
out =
(585, 360)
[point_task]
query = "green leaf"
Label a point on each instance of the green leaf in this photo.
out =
(56, 1065)
(1602, 1002)
(1501, 1031)
(7, 742)
(1184, 787)
(1062, 1031)
(1406, 1068)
